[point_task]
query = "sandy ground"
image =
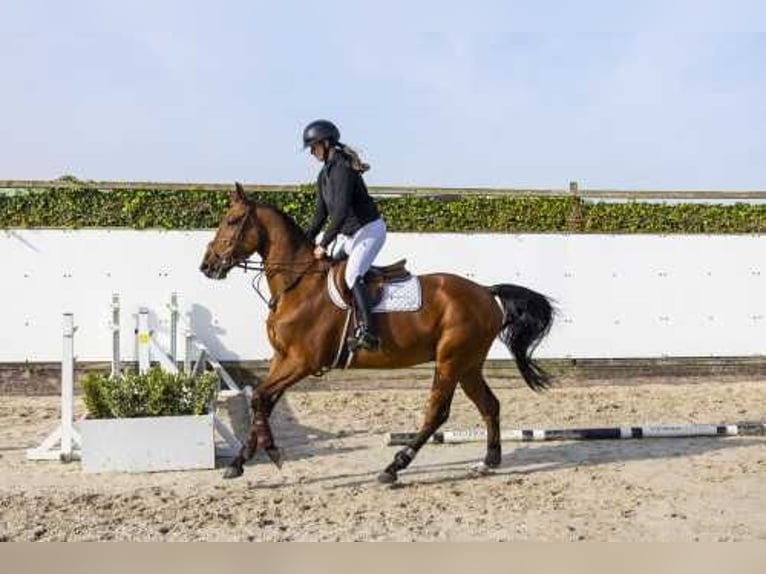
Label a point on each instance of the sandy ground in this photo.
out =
(659, 490)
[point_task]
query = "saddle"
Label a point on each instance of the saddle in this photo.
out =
(374, 279)
(391, 288)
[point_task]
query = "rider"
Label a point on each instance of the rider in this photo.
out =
(355, 222)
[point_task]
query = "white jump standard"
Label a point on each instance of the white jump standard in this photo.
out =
(65, 434)
(65, 443)
(148, 349)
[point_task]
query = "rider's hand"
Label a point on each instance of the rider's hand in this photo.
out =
(319, 252)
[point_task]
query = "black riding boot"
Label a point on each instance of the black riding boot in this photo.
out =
(363, 337)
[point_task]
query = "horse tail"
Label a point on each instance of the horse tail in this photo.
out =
(527, 318)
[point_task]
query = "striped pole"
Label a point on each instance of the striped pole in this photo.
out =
(609, 433)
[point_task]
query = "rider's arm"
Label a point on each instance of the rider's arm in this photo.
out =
(320, 215)
(342, 185)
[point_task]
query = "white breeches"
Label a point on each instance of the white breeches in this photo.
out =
(361, 248)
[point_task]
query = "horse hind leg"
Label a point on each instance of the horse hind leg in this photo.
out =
(437, 413)
(475, 387)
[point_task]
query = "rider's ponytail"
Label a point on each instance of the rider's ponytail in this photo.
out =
(353, 157)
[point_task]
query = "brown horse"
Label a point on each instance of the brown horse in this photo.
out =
(455, 327)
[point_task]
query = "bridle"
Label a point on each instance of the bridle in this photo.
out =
(263, 267)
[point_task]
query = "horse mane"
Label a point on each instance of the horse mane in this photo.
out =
(295, 232)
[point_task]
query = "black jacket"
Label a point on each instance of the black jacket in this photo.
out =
(341, 195)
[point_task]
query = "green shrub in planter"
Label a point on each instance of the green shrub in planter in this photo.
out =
(154, 394)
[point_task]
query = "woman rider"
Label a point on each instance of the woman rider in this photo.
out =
(355, 222)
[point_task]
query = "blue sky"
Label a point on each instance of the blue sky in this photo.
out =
(661, 95)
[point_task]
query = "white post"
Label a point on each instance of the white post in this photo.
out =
(174, 328)
(188, 339)
(144, 360)
(67, 388)
(65, 435)
(148, 347)
(116, 364)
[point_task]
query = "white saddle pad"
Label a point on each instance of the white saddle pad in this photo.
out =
(400, 296)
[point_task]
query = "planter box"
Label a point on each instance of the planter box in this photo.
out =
(147, 444)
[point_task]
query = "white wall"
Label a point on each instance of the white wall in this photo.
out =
(619, 296)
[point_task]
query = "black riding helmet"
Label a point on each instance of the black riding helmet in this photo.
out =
(320, 130)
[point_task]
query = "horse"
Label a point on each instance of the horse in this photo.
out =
(455, 327)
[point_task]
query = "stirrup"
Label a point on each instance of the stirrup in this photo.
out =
(363, 339)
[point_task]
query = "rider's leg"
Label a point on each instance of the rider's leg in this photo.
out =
(363, 248)
(364, 335)
(339, 248)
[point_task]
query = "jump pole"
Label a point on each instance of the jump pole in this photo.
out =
(607, 433)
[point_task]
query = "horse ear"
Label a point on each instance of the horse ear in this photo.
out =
(238, 194)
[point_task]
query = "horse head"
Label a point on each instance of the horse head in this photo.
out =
(238, 236)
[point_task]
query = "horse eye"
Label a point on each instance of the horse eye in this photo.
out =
(233, 220)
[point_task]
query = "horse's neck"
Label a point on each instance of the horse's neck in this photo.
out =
(284, 252)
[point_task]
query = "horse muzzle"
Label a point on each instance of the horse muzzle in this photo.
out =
(215, 268)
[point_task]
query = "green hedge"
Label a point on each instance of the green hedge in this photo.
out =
(68, 207)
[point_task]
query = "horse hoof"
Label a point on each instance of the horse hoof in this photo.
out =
(275, 455)
(387, 477)
(480, 469)
(233, 472)
(493, 458)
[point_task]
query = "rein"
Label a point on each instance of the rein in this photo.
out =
(264, 268)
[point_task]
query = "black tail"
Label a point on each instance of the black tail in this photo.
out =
(528, 318)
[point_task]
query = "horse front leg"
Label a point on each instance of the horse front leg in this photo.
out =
(261, 431)
(283, 373)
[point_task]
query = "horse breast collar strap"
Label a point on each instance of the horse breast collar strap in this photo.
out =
(275, 298)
